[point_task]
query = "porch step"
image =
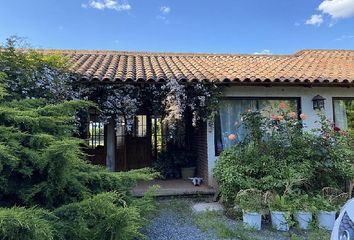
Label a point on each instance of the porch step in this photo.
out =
(176, 187)
(205, 207)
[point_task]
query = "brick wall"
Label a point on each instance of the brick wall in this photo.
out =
(200, 146)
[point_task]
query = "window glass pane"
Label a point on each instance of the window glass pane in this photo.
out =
(228, 126)
(269, 107)
(344, 114)
(140, 128)
(120, 132)
(157, 135)
(95, 134)
(230, 120)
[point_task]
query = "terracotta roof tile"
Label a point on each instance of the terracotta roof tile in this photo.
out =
(306, 66)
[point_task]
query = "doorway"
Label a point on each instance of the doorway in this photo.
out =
(134, 148)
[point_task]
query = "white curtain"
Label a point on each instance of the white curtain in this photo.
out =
(340, 114)
(230, 120)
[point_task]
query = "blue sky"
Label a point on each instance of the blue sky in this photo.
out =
(224, 26)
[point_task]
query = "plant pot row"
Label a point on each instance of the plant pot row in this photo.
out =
(281, 220)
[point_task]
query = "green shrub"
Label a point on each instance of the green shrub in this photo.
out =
(303, 202)
(278, 156)
(42, 163)
(251, 200)
(279, 203)
(104, 216)
(26, 224)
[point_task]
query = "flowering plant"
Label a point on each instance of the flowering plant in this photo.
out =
(170, 101)
(278, 155)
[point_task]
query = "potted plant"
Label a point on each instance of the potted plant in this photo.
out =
(302, 210)
(166, 166)
(326, 213)
(251, 201)
(328, 204)
(174, 163)
(186, 160)
(280, 212)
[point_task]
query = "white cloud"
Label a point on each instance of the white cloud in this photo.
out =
(338, 8)
(345, 37)
(315, 20)
(263, 52)
(165, 10)
(107, 4)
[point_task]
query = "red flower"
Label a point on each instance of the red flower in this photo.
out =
(336, 129)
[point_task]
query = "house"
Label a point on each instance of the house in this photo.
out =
(250, 82)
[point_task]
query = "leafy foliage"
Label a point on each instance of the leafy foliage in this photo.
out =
(251, 200)
(42, 163)
(104, 216)
(30, 74)
(26, 224)
(171, 101)
(169, 162)
(278, 156)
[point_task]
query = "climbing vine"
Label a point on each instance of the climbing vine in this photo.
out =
(170, 101)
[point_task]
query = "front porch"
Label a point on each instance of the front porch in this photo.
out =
(175, 187)
(149, 145)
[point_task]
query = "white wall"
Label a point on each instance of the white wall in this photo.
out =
(306, 94)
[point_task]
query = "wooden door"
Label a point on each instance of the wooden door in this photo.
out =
(134, 149)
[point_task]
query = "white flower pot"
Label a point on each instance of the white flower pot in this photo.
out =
(326, 220)
(253, 220)
(303, 219)
(280, 220)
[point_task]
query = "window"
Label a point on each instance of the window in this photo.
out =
(95, 132)
(140, 126)
(344, 114)
(230, 112)
(157, 135)
(120, 132)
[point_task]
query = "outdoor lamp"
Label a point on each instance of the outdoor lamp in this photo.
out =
(318, 102)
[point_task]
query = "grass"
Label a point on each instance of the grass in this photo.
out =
(180, 206)
(216, 221)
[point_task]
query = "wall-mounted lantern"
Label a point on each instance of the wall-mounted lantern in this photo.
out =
(318, 102)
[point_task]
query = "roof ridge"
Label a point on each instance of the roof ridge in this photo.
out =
(143, 53)
(146, 53)
(303, 51)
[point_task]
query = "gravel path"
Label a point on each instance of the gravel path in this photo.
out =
(170, 226)
(176, 221)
